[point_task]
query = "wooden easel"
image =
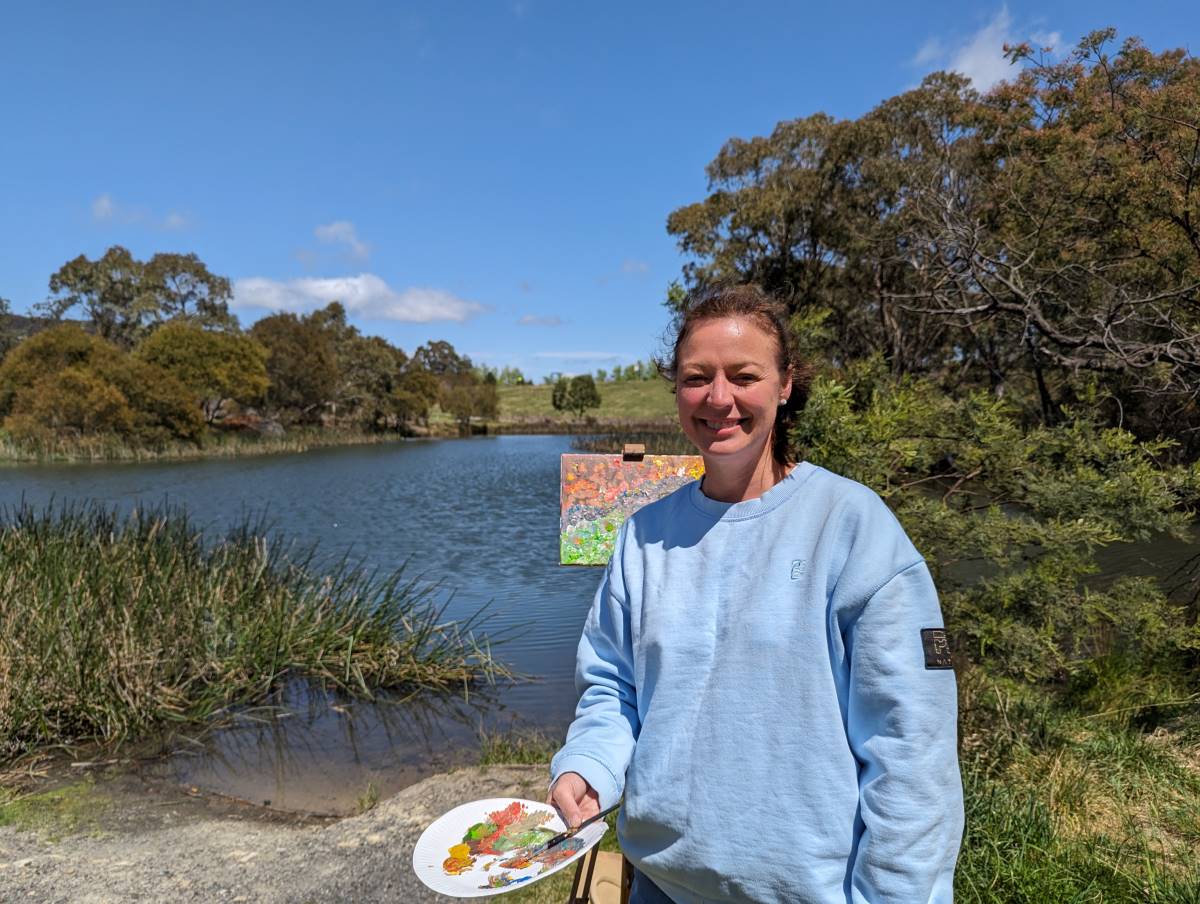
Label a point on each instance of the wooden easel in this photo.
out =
(634, 454)
(581, 894)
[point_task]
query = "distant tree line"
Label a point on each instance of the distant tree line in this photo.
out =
(1033, 241)
(159, 357)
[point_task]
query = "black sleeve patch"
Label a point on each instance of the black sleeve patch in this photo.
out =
(937, 648)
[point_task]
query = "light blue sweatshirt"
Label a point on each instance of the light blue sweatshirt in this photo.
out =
(753, 679)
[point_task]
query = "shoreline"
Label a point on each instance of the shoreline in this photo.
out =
(152, 845)
(103, 452)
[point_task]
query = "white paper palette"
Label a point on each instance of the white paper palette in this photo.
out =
(503, 828)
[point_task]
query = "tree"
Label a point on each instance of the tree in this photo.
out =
(368, 368)
(64, 382)
(1014, 240)
(415, 393)
(126, 298)
(440, 359)
(8, 337)
(301, 365)
(215, 367)
(465, 397)
(512, 376)
(576, 394)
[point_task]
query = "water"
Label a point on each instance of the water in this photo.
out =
(478, 515)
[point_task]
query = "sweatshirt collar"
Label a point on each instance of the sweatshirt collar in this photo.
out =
(751, 508)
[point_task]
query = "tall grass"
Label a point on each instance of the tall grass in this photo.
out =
(108, 447)
(659, 442)
(112, 627)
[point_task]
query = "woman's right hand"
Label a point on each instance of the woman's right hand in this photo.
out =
(574, 798)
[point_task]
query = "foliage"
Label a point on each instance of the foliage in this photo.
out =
(1013, 241)
(464, 396)
(462, 391)
(576, 394)
(113, 627)
(126, 298)
(415, 393)
(511, 376)
(214, 367)
(62, 381)
(1010, 519)
(301, 365)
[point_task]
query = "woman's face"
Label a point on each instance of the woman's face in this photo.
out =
(728, 389)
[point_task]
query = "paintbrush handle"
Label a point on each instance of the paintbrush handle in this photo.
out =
(570, 833)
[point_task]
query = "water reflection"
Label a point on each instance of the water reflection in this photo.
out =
(315, 751)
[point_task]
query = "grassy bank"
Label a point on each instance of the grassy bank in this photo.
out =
(635, 400)
(217, 445)
(113, 628)
(1060, 806)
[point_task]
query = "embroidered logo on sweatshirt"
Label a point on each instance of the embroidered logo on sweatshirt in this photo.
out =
(937, 648)
(799, 566)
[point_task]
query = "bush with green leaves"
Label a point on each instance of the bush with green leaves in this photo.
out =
(1010, 517)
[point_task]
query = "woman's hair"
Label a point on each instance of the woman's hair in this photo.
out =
(751, 302)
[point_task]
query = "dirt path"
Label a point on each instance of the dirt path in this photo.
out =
(163, 852)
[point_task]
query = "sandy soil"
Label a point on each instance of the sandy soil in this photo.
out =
(167, 850)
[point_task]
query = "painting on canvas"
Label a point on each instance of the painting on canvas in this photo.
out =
(598, 492)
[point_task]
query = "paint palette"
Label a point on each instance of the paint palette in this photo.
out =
(598, 492)
(482, 848)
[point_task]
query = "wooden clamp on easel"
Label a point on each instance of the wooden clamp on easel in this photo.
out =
(609, 888)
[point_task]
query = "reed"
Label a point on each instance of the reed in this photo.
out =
(114, 627)
(662, 442)
(107, 447)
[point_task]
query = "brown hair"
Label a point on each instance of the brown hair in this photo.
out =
(751, 302)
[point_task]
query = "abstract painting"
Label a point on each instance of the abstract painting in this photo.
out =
(598, 492)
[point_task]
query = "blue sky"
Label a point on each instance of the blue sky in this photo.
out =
(497, 174)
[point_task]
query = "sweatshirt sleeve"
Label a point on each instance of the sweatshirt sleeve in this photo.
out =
(600, 741)
(902, 727)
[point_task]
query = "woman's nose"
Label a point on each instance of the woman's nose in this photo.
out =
(718, 393)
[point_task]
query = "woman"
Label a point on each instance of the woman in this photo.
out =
(760, 673)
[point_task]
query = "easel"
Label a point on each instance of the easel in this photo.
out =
(661, 475)
(581, 894)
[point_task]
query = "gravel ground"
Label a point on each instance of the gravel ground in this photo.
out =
(166, 853)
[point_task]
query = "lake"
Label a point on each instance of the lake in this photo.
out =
(478, 515)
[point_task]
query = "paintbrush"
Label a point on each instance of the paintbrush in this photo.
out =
(569, 833)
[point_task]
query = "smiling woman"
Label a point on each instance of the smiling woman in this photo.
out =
(766, 640)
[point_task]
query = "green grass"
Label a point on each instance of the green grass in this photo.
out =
(516, 747)
(113, 628)
(635, 400)
(57, 812)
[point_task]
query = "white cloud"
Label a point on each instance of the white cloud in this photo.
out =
(104, 208)
(931, 51)
(981, 59)
(980, 56)
(579, 356)
(632, 266)
(535, 320)
(365, 295)
(342, 232)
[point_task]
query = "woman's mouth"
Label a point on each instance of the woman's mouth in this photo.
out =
(724, 424)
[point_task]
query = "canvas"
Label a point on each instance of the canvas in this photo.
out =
(598, 492)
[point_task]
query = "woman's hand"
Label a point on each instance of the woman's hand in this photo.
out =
(574, 797)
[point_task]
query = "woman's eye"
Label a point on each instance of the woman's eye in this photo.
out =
(694, 380)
